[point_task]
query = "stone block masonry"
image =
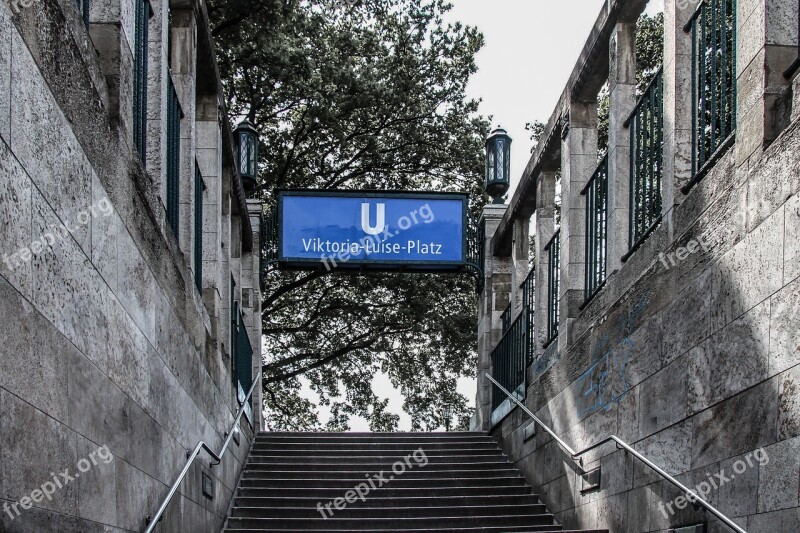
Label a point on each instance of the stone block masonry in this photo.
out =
(106, 343)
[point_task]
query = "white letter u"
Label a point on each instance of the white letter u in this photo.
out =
(377, 229)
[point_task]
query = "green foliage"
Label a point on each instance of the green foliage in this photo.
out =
(365, 94)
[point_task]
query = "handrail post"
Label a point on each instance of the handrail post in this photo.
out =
(216, 459)
(576, 456)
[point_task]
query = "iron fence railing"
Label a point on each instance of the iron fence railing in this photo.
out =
(83, 8)
(596, 193)
(269, 243)
(529, 308)
(508, 359)
(553, 249)
(476, 237)
(505, 318)
(713, 29)
(646, 127)
(143, 14)
(199, 187)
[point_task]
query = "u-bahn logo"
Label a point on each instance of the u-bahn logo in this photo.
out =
(380, 221)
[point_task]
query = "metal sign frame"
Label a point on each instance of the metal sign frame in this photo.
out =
(378, 265)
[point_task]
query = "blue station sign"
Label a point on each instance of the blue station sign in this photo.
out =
(372, 230)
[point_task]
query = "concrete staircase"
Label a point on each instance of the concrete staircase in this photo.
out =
(348, 482)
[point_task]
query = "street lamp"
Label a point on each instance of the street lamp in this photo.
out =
(447, 411)
(246, 139)
(498, 164)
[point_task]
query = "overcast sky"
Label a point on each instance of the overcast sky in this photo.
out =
(531, 48)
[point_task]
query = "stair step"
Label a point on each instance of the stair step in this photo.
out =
(372, 467)
(354, 477)
(440, 490)
(407, 501)
(364, 510)
(488, 529)
(402, 450)
(389, 460)
(392, 523)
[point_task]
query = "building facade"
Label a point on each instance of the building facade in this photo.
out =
(662, 306)
(129, 284)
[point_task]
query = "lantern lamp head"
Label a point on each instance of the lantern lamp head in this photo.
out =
(498, 164)
(246, 139)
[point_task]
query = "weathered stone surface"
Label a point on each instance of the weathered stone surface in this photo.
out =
(15, 220)
(779, 478)
(27, 467)
(105, 229)
(96, 487)
(784, 341)
(670, 449)
(712, 437)
(789, 404)
(749, 273)
(739, 495)
(662, 400)
(34, 356)
(687, 321)
(788, 520)
(46, 147)
(791, 240)
(137, 286)
(5, 66)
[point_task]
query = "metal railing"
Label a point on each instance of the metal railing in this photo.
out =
(713, 29)
(505, 319)
(596, 193)
(646, 127)
(152, 522)
(529, 308)
(553, 249)
(576, 457)
(476, 242)
(508, 358)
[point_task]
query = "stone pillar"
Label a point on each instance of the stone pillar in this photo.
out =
(491, 303)
(545, 227)
(520, 252)
(253, 284)
(578, 163)
(109, 28)
(677, 103)
(183, 64)
(622, 88)
(766, 45)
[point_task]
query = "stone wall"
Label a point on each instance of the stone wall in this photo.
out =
(690, 352)
(105, 339)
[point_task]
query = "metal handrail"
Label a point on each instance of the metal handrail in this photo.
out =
(576, 456)
(217, 458)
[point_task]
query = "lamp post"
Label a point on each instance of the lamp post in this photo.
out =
(447, 411)
(498, 164)
(246, 139)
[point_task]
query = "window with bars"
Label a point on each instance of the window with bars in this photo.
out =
(234, 329)
(83, 7)
(143, 14)
(713, 29)
(174, 116)
(646, 127)
(508, 361)
(199, 187)
(553, 249)
(596, 193)
(505, 318)
(529, 308)
(244, 356)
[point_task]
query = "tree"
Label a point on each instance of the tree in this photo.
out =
(363, 94)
